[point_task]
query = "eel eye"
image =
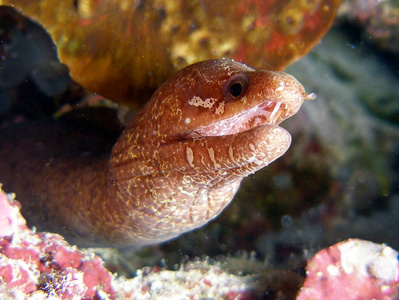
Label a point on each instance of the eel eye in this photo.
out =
(236, 86)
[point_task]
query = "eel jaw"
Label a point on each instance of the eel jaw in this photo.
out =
(265, 113)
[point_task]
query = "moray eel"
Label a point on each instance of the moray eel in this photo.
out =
(174, 168)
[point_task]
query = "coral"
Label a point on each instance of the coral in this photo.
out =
(194, 281)
(44, 264)
(353, 269)
(11, 220)
(124, 50)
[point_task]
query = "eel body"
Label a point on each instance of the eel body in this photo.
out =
(175, 167)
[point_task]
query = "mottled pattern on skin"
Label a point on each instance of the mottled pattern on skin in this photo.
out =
(174, 168)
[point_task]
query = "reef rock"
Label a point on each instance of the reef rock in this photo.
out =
(354, 269)
(43, 264)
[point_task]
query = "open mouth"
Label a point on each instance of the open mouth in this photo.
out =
(266, 113)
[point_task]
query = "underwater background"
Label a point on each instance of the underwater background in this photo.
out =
(338, 180)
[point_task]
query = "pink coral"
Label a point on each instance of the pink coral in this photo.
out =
(44, 263)
(353, 269)
(11, 220)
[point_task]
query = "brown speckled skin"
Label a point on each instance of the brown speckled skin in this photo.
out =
(163, 177)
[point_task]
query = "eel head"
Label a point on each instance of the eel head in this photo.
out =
(223, 97)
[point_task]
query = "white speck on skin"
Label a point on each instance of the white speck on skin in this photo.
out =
(281, 85)
(190, 156)
(211, 154)
(187, 120)
(220, 109)
(198, 101)
(231, 154)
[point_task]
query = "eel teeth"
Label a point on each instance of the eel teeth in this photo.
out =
(268, 112)
(275, 110)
